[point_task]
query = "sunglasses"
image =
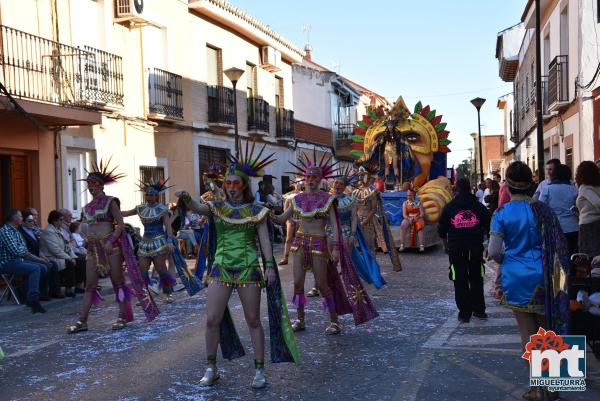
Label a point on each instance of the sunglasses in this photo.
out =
(29, 220)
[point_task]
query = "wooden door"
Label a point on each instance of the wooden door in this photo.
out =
(20, 186)
(596, 105)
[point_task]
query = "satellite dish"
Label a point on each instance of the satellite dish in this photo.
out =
(139, 5)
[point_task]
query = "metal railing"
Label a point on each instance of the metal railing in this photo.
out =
(285, 123)
(258, 114)
(344, 131)
(165, 93)
(545, 95)
(558, 80)
(43, 70)
(220, 105)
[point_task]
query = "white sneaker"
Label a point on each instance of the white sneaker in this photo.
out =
(210, 377)
(179, 287)
(259, 379)
(154, 287)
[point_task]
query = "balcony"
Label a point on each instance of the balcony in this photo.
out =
(221, 115)
(42, 70)
(258, 116)
(284, 129)
(342, 134)
(164, 95)
(558, 82)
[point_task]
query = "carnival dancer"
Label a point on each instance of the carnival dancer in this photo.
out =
(157, 241)
(314, 208)
(291, 225)
(370, 207)
(413, 220)
(236, 224)
(362, 257)
(108, 246)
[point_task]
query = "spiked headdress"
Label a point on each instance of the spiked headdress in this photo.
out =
(249, 165)
(348, 176)
(155, 187)
(322, 167)
(103, 173)
(215, 171)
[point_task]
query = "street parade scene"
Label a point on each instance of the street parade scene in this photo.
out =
(195, 208)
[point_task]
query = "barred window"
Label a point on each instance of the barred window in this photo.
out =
(151, 174)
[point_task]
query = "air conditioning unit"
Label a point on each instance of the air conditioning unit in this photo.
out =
(270, 59)
(130, 10)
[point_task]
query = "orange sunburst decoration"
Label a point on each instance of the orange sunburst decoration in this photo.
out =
(544, 340)
(358, 295)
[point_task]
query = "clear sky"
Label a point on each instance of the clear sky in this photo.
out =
(439, 51)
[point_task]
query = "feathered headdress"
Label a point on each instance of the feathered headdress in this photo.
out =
(249, 165)
(215, 171)
(155, 187)
(323, 167)
(103, 173)
(348, 176)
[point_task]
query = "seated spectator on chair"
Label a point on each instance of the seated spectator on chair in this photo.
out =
(16, 260)
(54, 247)
(80, 258)
(49, 283)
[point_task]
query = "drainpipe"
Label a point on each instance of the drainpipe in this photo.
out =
(57, 169)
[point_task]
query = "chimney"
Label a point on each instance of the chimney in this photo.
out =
(308, 52)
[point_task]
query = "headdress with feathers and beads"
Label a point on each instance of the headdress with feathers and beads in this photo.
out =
(322, 167)
(249, 165)
(102, 172)
(155, 187)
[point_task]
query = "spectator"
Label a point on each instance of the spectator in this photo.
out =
(493, 197)
(260, 196)
(587, 178)
(49, 283)
(598, 163)
(54, 247)
(36, 219)
(551, 166)
(503, 195)
(77, 239)
(486, 191)
(497, 177)
(480, 191)
(462, 225)
(526, 239)
(80, 261)
(15, 259)
(560, 194)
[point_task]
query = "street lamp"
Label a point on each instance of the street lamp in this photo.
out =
(234, 74)
(474, 136)
(478, 102)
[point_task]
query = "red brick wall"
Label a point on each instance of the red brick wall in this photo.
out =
(313, 133)
(493, 148)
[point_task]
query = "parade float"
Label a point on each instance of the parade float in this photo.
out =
(405, 150)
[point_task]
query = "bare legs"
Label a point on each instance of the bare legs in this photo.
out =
(320, 272)
(160, 264)
(217, 299)
(290, 232)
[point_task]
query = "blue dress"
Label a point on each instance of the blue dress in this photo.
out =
(522, 271)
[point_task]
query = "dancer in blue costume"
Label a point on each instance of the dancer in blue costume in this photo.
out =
(362, 256)
(158, 236)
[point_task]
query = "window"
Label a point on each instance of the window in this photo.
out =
(569, 157)
(533, 83)
(206, 157)
(279, 103)
(526, 103)
(251, 89)
(151, 174)
(285, 184)
(546, 52)
(214, 65)
(564, 30)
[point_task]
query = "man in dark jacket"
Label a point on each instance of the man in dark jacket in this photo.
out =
(463, 223)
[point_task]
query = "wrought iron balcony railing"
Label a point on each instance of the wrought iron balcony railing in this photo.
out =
(344, 131)
(558, 81)
(165, 93)
(258, 114)
(43, 70)
(285, 123)
(220, 105)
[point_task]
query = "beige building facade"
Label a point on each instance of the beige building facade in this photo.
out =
(143, 86)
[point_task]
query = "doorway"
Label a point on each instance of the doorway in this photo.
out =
(15, 183)
(75, 188)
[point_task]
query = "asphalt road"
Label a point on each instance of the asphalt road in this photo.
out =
(415, 350)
